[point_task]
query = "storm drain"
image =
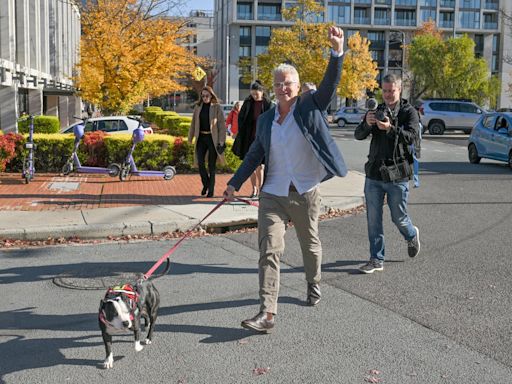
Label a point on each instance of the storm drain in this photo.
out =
(98, 279)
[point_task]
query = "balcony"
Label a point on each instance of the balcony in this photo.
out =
(445, 23)
(382, 21)
(362, 20)
(491, 25)
(378, 44)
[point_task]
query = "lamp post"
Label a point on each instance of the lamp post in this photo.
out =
(227, 65)
(394, 34)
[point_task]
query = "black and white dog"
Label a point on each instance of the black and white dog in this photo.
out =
(121, 311)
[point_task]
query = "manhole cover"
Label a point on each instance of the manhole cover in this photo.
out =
(94, 280)
(63, 186)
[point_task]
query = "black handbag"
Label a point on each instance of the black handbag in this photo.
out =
(400, 169)
(237, 146)
(221, 148)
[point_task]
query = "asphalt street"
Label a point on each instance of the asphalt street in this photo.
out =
(443, 317)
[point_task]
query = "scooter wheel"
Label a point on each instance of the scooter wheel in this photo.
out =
(66, 169)
(124, 174)
(114, 169)
(169, 172)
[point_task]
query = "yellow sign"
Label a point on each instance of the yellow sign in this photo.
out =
(198, 73)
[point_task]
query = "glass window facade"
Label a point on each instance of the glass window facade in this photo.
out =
(479, 45)
(262, 39)
(382, 16)
(446, 19)
(268, 11)
(469, 19)
(361, 15)
(490, 21)
(245, 35)
(491, 4)
(495, 63)
(428, 3)
(244, 11)
(339, 14)
(469, 4)
(406, 2)
(447, 3)
(405, 17)
(427, 14)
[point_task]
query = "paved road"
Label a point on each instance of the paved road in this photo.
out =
(443, 317)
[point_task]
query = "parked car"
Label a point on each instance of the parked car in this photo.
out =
(491, 138)
(440, 115)
(348, 115)
(111, 124)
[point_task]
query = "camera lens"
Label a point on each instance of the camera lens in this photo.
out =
(372, 104)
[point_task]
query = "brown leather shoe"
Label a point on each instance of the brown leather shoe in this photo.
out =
(314, 294)
(259, 323)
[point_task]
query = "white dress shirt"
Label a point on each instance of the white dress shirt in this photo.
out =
(291, 159)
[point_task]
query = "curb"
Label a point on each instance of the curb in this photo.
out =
(102, 231)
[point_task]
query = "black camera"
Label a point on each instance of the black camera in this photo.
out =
(381, 111)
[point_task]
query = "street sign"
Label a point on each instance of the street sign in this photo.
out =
(198, 73)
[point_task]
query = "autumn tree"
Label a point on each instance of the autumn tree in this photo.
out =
(128, 51)
(305, 46)
(448, 68)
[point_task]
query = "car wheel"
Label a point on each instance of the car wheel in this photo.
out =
(436, 128)
(473, 154)
(341, 123)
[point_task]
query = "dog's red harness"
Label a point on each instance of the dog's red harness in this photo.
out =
(130, 295)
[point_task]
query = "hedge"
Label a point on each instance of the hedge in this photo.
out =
(160, 116)
(153, 153)
(42, 124)
(177, 125)
(149, 113)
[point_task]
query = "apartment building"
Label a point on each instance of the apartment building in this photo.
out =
(243, 29)
(39, 42)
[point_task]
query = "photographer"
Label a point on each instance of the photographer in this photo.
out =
(394, 126)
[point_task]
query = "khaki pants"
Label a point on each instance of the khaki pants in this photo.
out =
(273, 215)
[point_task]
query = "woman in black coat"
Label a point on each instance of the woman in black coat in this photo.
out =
(254, 105)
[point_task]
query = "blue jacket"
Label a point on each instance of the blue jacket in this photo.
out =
(309, 116)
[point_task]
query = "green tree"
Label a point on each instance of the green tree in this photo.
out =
(448, 68)
(305, 46)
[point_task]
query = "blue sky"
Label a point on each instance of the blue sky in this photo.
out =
(189, 5)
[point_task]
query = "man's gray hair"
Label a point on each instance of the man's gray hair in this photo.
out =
(392, 79)
(285, 68)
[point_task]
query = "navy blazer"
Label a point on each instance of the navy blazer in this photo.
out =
(309, 116)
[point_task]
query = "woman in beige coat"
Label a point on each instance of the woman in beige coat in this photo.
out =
(208, 127)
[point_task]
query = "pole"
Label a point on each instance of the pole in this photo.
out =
(403, 56)
(227, 66)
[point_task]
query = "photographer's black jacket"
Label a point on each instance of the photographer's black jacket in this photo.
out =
(406, 125)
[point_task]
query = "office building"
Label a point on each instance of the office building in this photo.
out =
(243, 29)
(39, 42)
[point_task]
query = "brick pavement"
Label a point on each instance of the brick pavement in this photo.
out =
(54, 192)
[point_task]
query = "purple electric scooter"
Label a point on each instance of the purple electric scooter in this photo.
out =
(129, 167)
(73, 163)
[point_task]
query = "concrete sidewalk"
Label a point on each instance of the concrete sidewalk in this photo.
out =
(98, 207)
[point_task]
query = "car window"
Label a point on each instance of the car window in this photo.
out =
(108, 125)
(349, 110)
(501, 123)
(468, 108)
(123, 126)
(89, 126)
(440, 106)
(489, 122)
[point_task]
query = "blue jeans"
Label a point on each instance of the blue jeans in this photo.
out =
(397, 195)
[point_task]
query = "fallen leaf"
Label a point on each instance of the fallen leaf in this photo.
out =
(374, 372)
(260, 371)
(372, 379)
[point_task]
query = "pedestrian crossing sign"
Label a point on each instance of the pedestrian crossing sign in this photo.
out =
(198, 73)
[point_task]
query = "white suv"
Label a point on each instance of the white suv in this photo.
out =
(439, 115)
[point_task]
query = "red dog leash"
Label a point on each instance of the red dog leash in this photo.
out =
(188, 233)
